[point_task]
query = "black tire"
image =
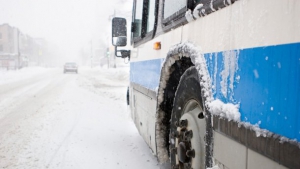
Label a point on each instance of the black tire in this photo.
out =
(188, 106)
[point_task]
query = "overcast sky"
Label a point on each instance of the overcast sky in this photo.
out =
(68, 23)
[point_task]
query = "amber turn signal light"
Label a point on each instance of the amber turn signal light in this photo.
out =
(157, 46)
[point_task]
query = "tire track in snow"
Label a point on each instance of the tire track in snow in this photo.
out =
(64, 141)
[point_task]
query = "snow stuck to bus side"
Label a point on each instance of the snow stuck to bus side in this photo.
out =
(189, 16)
(229, 111)
(187, 49)
(214, 167)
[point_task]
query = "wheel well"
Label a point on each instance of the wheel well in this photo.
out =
(179, 58)
(177, 69)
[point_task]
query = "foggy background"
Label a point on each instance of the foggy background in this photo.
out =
(69, 30)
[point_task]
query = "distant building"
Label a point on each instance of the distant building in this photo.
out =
(18, 50)
(9, 47)
(8, 39)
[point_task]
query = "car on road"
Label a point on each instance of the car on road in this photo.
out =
(70, 67)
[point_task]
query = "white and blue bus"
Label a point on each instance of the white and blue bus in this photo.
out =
(215, 83)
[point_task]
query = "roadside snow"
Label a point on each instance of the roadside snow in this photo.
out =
(69, 121)
(24, 73)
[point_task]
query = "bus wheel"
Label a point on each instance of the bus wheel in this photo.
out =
(188, 125)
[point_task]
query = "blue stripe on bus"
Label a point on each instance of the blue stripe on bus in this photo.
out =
(268, 89)
(266, 84)
(146, 73)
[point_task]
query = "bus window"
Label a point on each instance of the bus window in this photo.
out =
(144, 19)
(138, 18)
(151, 16)
(173, 6)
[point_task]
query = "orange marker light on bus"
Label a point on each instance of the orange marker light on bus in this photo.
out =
(157, 46)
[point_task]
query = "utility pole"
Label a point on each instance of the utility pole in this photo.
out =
(18, 48)
(91, 53)
(108, 54)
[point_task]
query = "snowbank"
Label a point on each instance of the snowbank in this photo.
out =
(24, 73)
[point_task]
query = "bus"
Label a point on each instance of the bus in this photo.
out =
(215, 83)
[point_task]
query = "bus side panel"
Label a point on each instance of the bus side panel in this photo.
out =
(144, 117)
(246, 24)
(144, 80)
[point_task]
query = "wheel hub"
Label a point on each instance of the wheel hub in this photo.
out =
(188, 142)
(184, 150)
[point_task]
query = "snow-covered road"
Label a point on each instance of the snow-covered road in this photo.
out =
(81, 121)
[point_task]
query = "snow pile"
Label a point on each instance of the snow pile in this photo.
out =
(189, 16)
(214, 167)
(293, 141)
(196, 11)
(110, 82)
(266, 133)
(229, 111)
(258, 131)
(212, 6)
